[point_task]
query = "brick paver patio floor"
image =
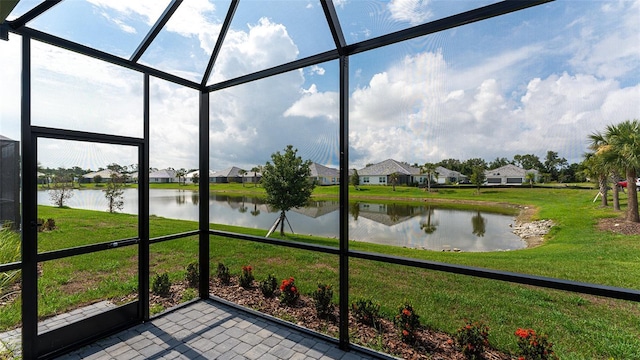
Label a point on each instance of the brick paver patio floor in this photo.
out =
(210, 330)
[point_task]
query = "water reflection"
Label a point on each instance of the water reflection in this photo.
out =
(423, 226)
(479, 224)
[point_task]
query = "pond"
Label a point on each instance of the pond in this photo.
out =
(422, 227)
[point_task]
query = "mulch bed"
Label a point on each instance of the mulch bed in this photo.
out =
(429, 344)
(619, 226)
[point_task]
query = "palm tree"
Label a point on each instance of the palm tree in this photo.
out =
(620, 147)
(180, 174)
(256, 170)
(430, 170)
(242, 173)
(393, 179)
(594, 168)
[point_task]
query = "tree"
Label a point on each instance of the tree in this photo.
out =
(469, 165)
(114, 192)
(256, 170)
(531, 178)
(97, 179)
(430, 170)
(528, 162)
(195, 178)
(478, 224)
(498, 162)
(286, 182)
(553, 164)
(355, 179)
(621, 149)
(451, 164)
(242, 173)
(393, 179)
(60, 190)
(594, 168)
(181, 175)
(478, 177)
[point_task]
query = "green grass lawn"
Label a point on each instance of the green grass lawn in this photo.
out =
(582, 327)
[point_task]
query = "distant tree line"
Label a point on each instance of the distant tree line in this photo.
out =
(551, 168)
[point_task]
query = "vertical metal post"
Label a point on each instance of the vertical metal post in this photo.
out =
(29, 214)
(344, 203)
(203, 249)
(143, 210)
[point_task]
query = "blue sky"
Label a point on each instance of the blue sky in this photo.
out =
(527, 82)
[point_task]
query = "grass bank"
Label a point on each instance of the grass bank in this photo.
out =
(583, 327)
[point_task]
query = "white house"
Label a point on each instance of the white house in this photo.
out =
(379, 174)
(323, 175)
(163, 176)
(188, 178)
(446, 176)
(508, 175)
(105, 175)
(227, 175)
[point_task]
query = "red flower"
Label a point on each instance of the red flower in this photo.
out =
(293, 289)
(405, 333)
(523, 333)
(406, 312)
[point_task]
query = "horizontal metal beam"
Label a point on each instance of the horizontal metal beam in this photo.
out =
(294, 65)
(174, 237)
(524, 279)
(468, 17)
(290, 244)
(63, 134)
(86, 249)
(11, 266)
(101, 55)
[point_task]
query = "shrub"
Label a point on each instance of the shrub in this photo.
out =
(189, 294)
(407, 322)
(322, 297)
(534, 346)
(246, 278)
(161, 285)
(223, 274)
(472, 339)
(366, 312)
(268, 286)
(289, 292)
(193, 274)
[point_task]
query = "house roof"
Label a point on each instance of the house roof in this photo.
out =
(506, 171)
(105, 174)
(389, 167)
(191, 174)
(446, 173)
(318, 170)
(228, 172)
(163, 174)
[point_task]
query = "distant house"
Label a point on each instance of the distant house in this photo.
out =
(379, 174)
(508, 175)
(189, 177)
(251, 177)
(105, 175)
(323, 175)
(227, 175)
(446, 176)
(163, 176)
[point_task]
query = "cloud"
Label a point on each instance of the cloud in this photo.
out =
(314, 105)
(412, 11)
(317, 70)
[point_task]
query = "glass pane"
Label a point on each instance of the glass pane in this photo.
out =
(251, 122)
(184, 45)
(111, 26)
(579, 326)
(267, 34)
(75, 92)
(71, 288)
(362, 20)
(86, 193)
(512, 102)
(308, 269)
(178, 260)
(22, 7)
(174, 154)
